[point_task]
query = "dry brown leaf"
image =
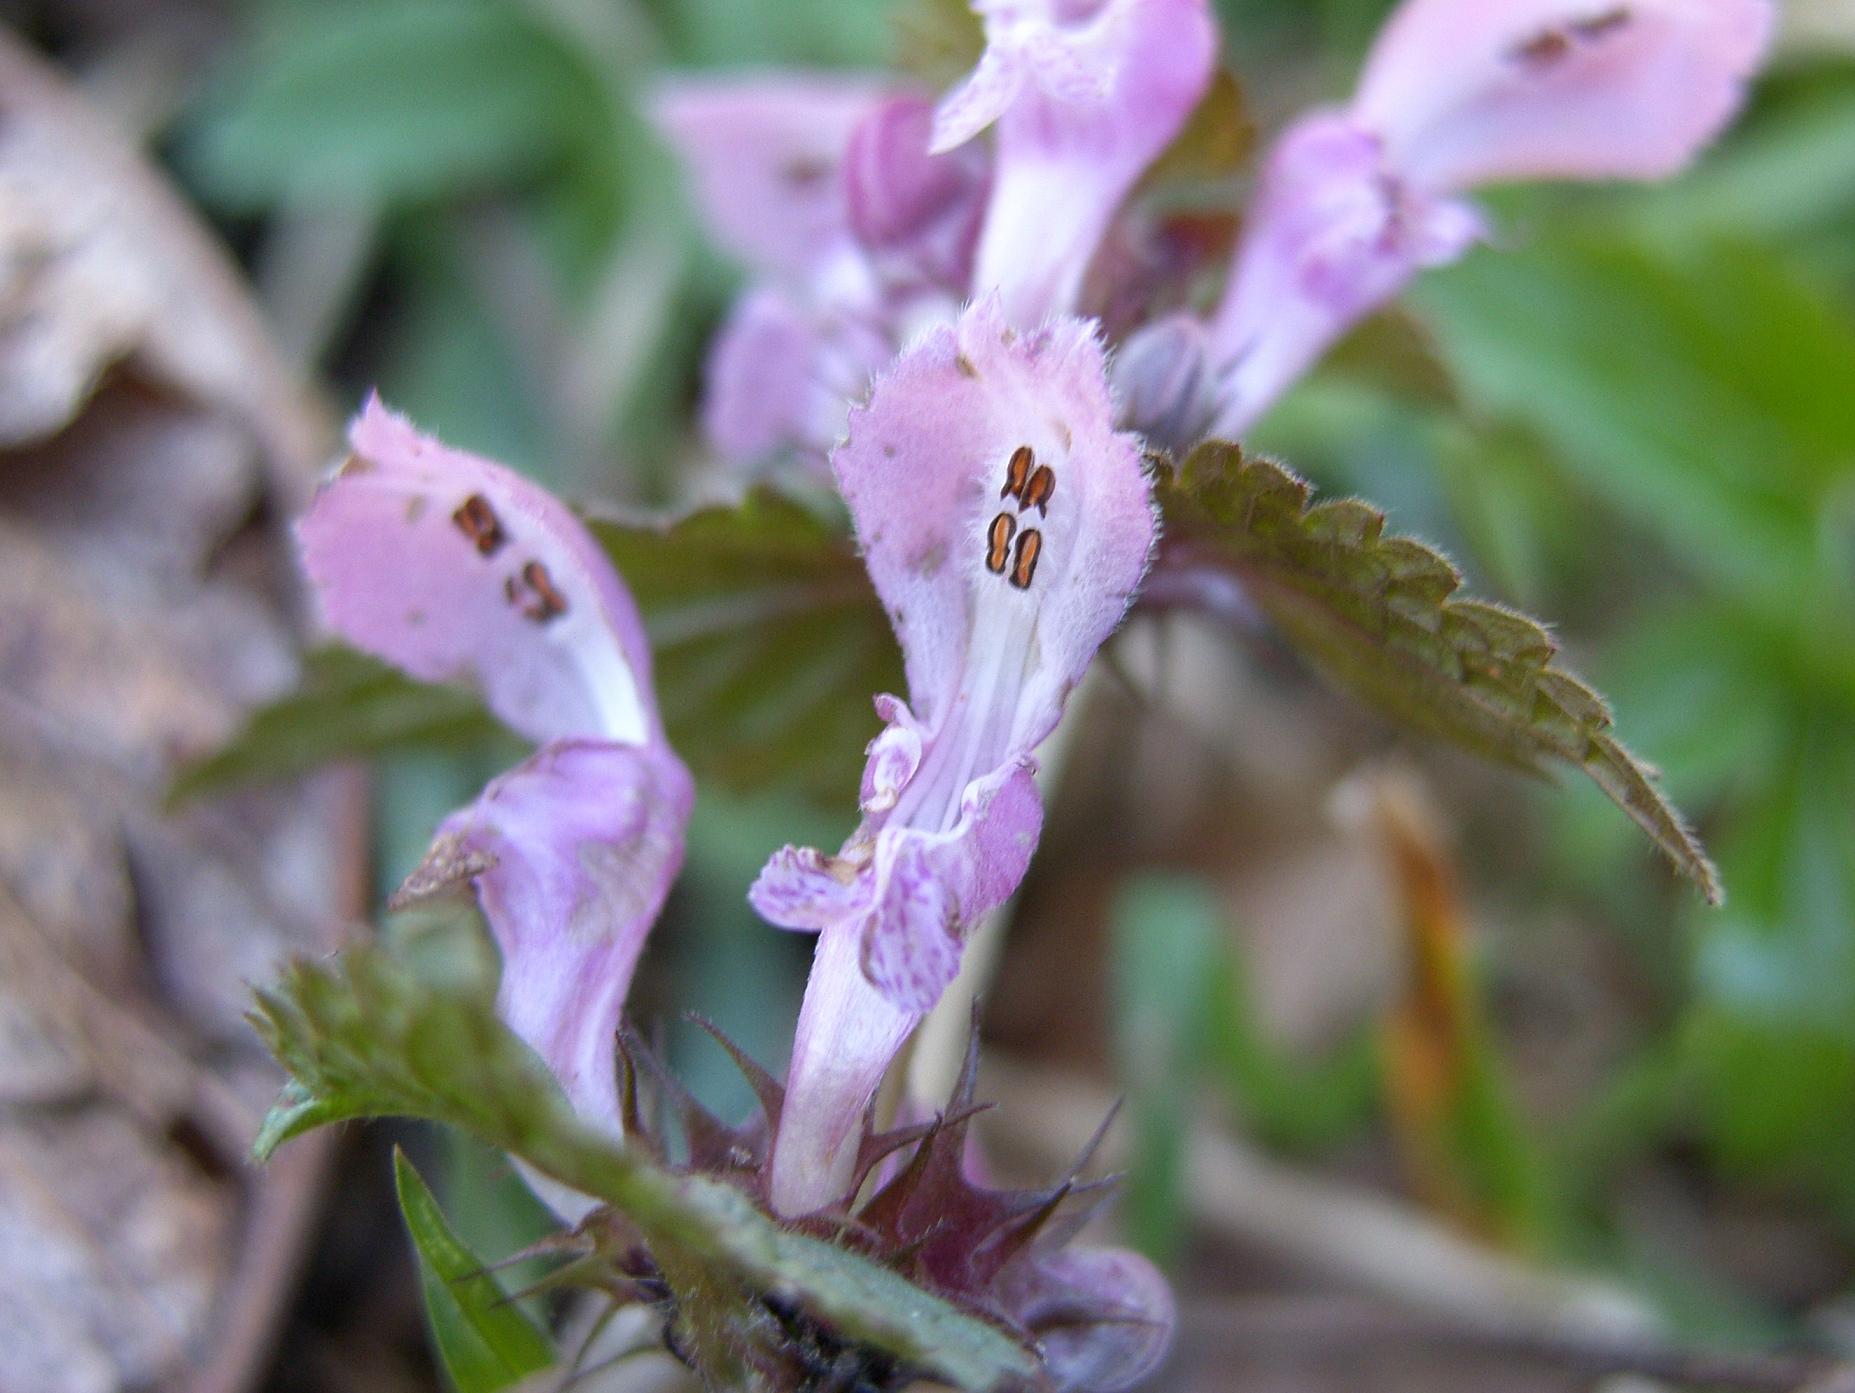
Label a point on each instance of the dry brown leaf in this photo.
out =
(150, 439)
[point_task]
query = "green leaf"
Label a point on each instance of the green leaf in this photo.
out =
(348, 704)
(936, 42)
(1379, 614)
(1789, 172)
(1167, 946)
(362, 1038)
(1293, 1102)
(1715, 422)
(768, 641)
(484, 1339)
(391, 100)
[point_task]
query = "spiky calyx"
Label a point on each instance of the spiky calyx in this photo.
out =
(1097, 1319)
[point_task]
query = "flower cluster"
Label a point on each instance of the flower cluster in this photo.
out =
(912, 334)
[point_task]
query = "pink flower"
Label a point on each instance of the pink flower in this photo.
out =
(1457, 94)
(1085, 95)
(868, 215)
(1006, 526)
(455, 568)
(856, 237)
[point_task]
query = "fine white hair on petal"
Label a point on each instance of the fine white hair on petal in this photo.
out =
(451, 566)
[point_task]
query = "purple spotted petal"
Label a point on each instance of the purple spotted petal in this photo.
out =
(453, 567)
(1466, 92)
(1104, 1317)
(929, 888)
(570, 854)
(801, 888)
(765, 154)
(1332, 235)
(1006, 525)
(1085, 95)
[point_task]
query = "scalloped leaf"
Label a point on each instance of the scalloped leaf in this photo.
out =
(768, 640)
(362, 1038)
(1380, 615)
(347, 704)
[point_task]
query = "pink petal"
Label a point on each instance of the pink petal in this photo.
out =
(975, 424)
(1086, 96)
(571, 855)
(922, 471)
(800, 888)
(1104, 1316)
(917, 211)
(782, 373)
(759, 396)
(848, 1033)
(453, 567)
(1331, 236)
(893, 756)
(1467, 92)
(765, 152)
(985, 94)
(931, 888)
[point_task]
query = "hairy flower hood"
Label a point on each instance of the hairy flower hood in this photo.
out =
(455, 568)
(1456, 95)
(1006, 525)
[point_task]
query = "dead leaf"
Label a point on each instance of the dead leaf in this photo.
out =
(151, 441)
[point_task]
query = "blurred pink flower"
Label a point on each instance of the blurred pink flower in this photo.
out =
(854, 235)
(452, 567)
(1085, 95)
(1457, 94)
(1006, 525)
(866, 214)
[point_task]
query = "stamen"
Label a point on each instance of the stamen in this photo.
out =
(1549, 46)
(998, 543)
(478, 521)
(1030, 547)
(544, 601)
(1039, 491)
(1543, 49)
(1599, 25)
(1017, 474)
